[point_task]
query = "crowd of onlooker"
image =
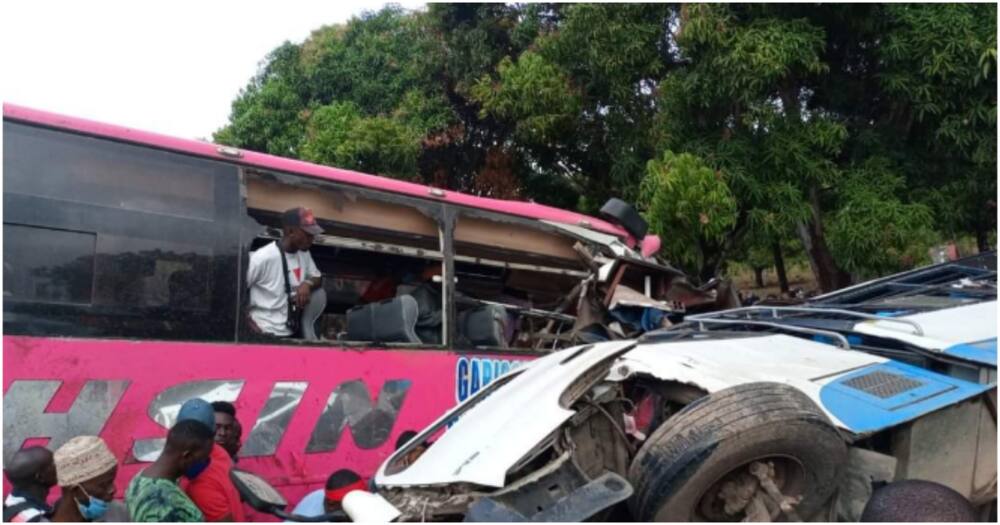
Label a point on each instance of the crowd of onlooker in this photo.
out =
(190, 481)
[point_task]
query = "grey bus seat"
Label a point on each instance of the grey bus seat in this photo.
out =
(427, 298)
(389, 321)
(312, 312)
(484, 325)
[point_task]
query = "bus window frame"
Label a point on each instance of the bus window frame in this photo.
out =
(30, 210)
(445, 215)
(432, 210)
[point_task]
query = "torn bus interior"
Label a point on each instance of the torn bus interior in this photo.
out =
(515, 283)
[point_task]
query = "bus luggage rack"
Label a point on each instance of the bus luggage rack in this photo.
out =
(777, 314)
(840, 339)
(965, 281)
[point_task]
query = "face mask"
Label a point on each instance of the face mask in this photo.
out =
(94, 509)
(196, 469)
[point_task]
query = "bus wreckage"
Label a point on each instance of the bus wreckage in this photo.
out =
(755, 414)
(126, 258)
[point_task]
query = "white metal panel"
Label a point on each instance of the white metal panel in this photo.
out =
(721, 363)
(942, 328)
(490, 438)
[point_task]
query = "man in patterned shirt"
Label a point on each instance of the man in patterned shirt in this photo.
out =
(32, 473)
(153, 495)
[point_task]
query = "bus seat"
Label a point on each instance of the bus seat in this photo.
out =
(313, 310)
(427, 297)
(389, 321)
(484, 325)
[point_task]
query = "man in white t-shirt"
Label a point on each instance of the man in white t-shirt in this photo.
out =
(268, 301)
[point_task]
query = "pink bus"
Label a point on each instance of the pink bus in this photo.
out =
(124, 254)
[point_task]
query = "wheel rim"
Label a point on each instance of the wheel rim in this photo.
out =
(739, 485)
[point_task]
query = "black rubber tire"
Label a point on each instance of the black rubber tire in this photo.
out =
(626, 216)
(724, 431)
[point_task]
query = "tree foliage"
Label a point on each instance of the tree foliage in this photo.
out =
(859, 132)
(689, 205)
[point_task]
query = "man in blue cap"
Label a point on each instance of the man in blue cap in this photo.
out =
(212, 490)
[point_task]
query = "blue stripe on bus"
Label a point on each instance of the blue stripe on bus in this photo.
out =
(984, 352)
(862, 412)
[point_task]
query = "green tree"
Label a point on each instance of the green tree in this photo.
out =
(693, 210)
(837, 129)
(339, 135)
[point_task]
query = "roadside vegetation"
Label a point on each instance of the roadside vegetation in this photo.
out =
(847, 139)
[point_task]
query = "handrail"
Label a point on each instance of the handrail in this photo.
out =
(917, 329)
(813, 331)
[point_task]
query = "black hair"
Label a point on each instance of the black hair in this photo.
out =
(341, 479)
(225, 407)
(405, 437)
(188, 434)
(26, 463)
(913, 500)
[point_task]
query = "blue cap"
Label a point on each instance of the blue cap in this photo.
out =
(198, 410)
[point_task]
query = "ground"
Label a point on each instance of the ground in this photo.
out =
(799, 276)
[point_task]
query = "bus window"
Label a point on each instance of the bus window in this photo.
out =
(147, 273)
(512, 279)
(50, 266)
(380, 260)
(108, 239)
(59, 165)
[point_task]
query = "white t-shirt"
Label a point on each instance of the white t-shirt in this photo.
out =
(268, 303)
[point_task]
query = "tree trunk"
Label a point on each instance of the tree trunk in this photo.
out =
(779, 266)
(758, 276)
(828, 275)
(982, 239)
(709, 269)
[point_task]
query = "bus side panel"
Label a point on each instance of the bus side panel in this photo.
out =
(305, 411)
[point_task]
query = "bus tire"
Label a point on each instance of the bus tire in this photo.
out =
(680, 471)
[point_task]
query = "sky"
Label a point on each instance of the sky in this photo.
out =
(171, 67)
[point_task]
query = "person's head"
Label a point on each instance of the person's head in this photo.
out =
(199, 410)
(298, 226)
(237, 438)
(414, 452)
(914, 500)
(32, 470)
(431, 270)
(86, 470)
(405, 438)
(225, 426)
(338, 485)
(188, 447)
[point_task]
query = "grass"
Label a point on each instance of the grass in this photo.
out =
(799, 276)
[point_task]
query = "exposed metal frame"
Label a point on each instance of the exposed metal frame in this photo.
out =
(843, 342)
(449, 321)
(914, 282)
(774, 310)
(409, 251)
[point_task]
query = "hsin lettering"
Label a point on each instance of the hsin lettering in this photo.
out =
(349, 407)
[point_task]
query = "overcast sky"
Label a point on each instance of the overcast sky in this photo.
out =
(171, 67)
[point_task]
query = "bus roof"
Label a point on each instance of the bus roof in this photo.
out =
(206, 149)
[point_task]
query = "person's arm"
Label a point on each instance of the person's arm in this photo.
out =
(312, 273)
(313, 279)
(254, 273)
(255, 268)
